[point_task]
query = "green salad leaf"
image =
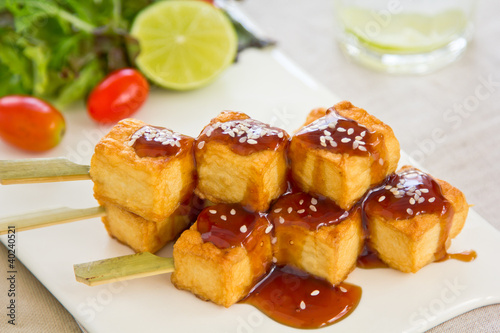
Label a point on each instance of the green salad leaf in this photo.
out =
(58, 50)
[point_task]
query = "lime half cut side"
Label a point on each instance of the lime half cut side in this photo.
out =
(184, 44)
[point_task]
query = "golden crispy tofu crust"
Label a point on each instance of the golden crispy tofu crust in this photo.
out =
(329, 252)
(223, 276)
(142, 235)
(152, 187)
(252, 180)
(342, 177)
(409, 245)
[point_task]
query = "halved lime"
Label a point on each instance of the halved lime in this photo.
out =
(184, 44)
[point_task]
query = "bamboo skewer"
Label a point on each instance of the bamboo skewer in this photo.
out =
(122, 268)
(29, 171)
(48, 218)
(41, 170)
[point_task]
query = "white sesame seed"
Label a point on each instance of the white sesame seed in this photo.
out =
(327, 133)
(412, 201)
(350, 131)
(302, 305)
(323, 144)
(398, 196)
(243, 228)
(381, 161)
(300, 211)
(313, 208)
(242, 139)
(274, 240)
(289, 210)
(269, 228)
(381, 198)
(301, 202)
(275, 260)
(341, 129)
(420, 200)
(201, 144)
(280, 135)
(277, 210)
(282, 220)
(315, 293)
(322, 139)
(424, 190)
(233, 211)
(358, 137)
(362, 148)
(399, 186)
(355, 144)
(333, 143)
(345, 140)
(363, 133)
(252, 141)
(342, 289)
(409, 211)
(432, 199)
(314, 201)
(418, 192)
(223, 217)
(213, 211)
(388, 187)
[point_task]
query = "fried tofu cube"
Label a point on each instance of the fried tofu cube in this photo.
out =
(341, 152)
(317, 236)
(412, 225)
(146, 170)
(241, 160)
(140, 234)
(223, 254)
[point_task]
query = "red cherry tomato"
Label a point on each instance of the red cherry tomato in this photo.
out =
(30, 123)
(118, 96)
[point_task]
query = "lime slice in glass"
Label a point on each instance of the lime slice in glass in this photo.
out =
(406, 32)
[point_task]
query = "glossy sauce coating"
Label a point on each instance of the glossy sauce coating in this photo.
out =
(408, 194)
(466, 256)
(244, 136)
(341, 135)
(370, 260)
(230, 225)
(151, 141)
(299, 300)
(306, 211)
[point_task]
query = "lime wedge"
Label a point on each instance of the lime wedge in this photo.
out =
(406, 32)
(184, 44)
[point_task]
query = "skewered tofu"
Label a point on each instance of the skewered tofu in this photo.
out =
(241, 160)
(223, 254)
(317, 236)
(341, 152)
(146, 170)
(147, 236)
(412, 219)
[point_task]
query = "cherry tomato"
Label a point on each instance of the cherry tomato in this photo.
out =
(118, 96)
(30, 123)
